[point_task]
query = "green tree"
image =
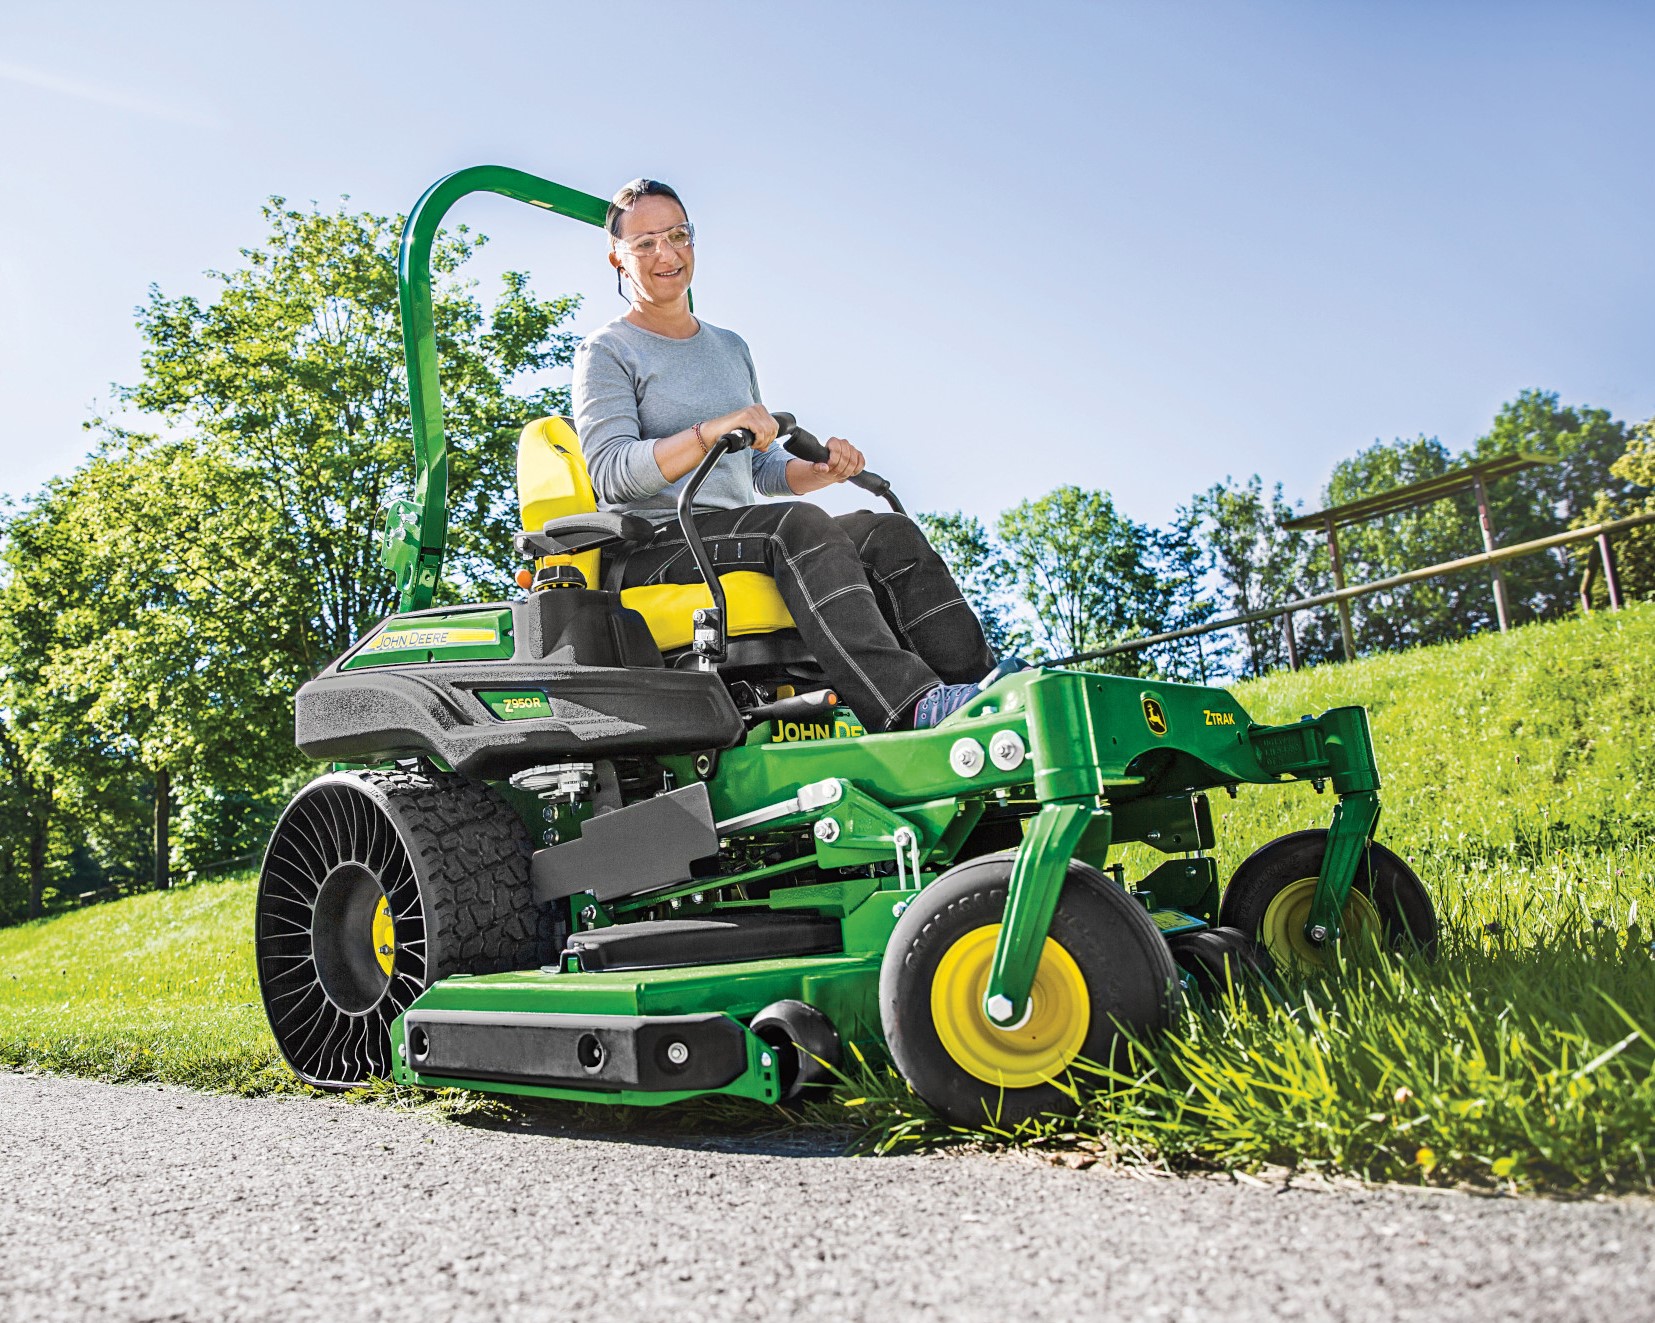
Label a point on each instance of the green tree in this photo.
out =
(1634, 550)
(1259, 564)
(979, 566)
(159, 606)
(1430, 610)
(1587, 442)
(293, 375)
(32, 828)
(1182, 563)
(167, 658)
(25, 824)
(1084, 574)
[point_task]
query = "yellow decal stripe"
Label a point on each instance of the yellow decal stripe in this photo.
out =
(399, 640)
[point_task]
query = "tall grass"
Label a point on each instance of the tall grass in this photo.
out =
(1519, 780)
(1524, 1057)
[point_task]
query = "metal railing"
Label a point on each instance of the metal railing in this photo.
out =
(1482, 559)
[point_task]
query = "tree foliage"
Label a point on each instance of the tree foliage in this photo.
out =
(1431, 610)
(1586, 442)
(159, 606)
(1082, 571)
(979, 566)
(293, 375)
(1258, 563)
(1633, 550)
(1067, 573)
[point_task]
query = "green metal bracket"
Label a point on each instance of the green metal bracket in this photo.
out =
(1190, 885)
(1337, 745)
(1036, 882)
(417, 531)
(1354, 818)
(858, 829)
(399, 545)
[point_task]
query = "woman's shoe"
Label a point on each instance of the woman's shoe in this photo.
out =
(942, 702)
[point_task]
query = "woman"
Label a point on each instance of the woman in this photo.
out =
(655, 388)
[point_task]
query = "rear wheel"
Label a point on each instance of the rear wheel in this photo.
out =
(375, 885)
(1269, 899)
(1104, 967)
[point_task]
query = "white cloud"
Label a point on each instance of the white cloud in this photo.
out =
(104, 95)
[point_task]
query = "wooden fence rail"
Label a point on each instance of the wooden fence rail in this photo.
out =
(1482, 559)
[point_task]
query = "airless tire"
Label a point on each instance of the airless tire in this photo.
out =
(375, 885)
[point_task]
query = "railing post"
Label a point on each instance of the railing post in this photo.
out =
(1609, 580)
(1347, 635)
(1487, 522)
(1292, 643)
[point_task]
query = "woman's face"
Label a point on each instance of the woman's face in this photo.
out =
(664, 275)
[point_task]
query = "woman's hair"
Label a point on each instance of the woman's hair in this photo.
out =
(622, 202)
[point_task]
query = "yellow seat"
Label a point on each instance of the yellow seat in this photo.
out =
(552, 481)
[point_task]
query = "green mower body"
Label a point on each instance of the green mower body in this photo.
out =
(553, 862)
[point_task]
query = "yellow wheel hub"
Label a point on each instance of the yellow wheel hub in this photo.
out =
(1039, 1049)
(385, 936)
(1287, 914)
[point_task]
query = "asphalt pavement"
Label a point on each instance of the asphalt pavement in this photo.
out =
(142, 1203)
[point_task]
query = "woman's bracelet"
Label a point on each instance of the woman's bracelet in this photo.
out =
(700, 440)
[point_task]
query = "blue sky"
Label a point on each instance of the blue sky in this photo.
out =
(1002, 247)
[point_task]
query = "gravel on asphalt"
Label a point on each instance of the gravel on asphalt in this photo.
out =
(138, 1202)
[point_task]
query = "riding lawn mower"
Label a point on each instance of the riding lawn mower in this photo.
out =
(628, 847)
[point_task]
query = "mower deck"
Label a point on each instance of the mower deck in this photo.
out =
(605, 1037)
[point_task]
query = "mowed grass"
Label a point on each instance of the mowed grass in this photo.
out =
(1519, 781)
(154, 987)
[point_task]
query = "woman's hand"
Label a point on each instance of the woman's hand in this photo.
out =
(755, 418)
(678, 454)
(844, 461)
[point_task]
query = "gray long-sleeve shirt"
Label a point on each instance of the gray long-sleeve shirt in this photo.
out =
(632, 387)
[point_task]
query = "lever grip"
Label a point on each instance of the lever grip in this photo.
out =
(796, 708)
(739, 439)
(802, 445)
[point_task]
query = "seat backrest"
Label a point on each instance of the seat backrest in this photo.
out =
(552, 481)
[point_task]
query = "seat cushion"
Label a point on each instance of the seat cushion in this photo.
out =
(731, 937)
(753, 602)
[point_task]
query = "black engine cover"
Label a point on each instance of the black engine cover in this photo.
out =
(606, 690)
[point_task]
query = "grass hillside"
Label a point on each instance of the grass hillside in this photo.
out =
(152, 987)
(1498, 747)
(1519, 779)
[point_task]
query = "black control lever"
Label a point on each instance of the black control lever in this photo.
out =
(709, 623)
(797, 707)
(802, 445)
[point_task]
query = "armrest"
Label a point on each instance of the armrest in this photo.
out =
(587, 532)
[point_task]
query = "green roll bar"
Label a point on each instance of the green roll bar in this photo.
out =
(416, 531)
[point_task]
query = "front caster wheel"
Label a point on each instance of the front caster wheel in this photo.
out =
(1221, 961)
(375, 885)
(1104, 968)
(1270, 895)
(806, 1045)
